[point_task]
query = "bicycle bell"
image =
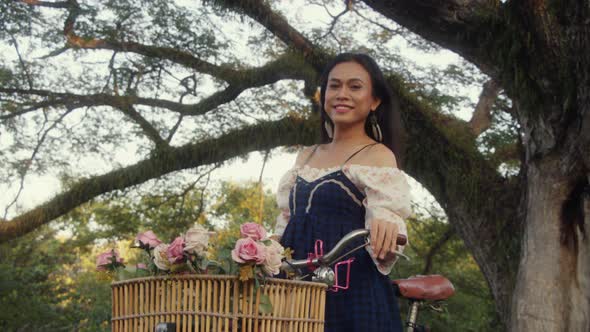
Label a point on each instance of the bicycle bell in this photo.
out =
(323, 274)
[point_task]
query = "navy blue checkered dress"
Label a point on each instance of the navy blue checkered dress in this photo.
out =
(327, 209)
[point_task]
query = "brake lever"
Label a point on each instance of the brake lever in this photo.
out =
(397, 253)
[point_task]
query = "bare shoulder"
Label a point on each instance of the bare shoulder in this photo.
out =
(378, 155)
(304, 154)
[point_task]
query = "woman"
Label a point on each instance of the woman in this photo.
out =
(350, 181)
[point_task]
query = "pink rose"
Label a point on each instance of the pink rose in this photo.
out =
(253, 230)
(248, 250)
(141, 266)
(175, 251)
(148, 239)
(106, 258)
(274, 257)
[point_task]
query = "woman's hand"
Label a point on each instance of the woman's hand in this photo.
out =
(383, 240)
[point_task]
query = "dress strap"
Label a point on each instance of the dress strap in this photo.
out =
(310, 155)
(354, 154)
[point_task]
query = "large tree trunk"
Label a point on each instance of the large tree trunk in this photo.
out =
(553, 285)
(552, 290)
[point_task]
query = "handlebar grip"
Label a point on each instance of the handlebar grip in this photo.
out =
(401, 240)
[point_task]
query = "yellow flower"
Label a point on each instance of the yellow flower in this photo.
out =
(246, 272)
(288, 253)
(317, 96)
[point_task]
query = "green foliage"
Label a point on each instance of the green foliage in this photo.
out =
(49, 282)
(6, 76)
(15, 19)
(245, 202)
(238, 203)
(472, 306)
(45, 285)
(167, 214)
(501, 143)
(91, 300)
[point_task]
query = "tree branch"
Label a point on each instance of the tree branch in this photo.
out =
(180, 210)
(22, 62)
(261, 12)
(225, 73)
(481, 205)
(482, 116)
(174, 129)
(261, 189)
(186, 59)
(335, 18)
(288, 131)
(435, 248)
(149, 130)
(288, 66)
(453, 24)
(382, 26)
(31, 159)
(59, 4)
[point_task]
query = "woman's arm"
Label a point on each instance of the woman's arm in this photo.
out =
(387, 202)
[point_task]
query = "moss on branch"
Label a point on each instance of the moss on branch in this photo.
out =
(263, 136)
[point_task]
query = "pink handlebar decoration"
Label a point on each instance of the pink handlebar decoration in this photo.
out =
(337, 286)
(318, 252)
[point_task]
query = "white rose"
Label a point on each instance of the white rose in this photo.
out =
(160, 257)
(196, 240)
(274, 255)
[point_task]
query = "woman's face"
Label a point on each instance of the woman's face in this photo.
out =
(349, 94)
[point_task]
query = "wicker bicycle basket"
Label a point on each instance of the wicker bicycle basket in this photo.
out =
(203, 303)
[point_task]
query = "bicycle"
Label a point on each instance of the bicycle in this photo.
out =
(420, 291)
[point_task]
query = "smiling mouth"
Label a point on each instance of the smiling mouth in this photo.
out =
(342, 109)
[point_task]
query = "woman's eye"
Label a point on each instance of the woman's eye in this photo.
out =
(333, 86)
(355, 87)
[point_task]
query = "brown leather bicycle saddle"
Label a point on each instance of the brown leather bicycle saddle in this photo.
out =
(432, 287)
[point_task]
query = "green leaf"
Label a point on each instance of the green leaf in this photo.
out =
(125, 273)
(265, 306)
(203, 264)
(142, 273)
(217, 268)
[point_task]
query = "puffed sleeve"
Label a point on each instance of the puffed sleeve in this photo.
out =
(285, 185)
(387, 197)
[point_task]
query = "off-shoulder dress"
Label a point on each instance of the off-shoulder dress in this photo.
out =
(328, 203)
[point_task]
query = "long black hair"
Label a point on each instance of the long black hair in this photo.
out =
(387, 112)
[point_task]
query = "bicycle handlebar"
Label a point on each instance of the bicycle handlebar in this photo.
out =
(335, 253)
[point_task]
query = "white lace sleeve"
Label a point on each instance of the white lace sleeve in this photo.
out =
(285, 185)
(387, 197)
